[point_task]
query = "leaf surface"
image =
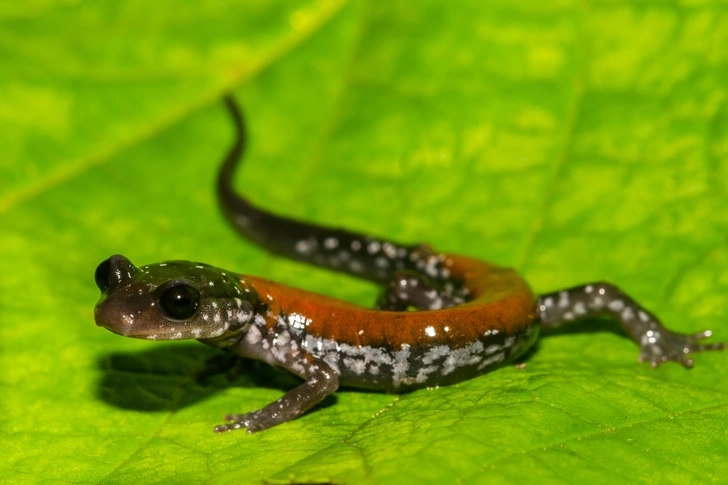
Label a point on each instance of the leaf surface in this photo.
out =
(576, 142)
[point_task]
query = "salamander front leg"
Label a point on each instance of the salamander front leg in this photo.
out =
(412, 289)
(321, 381)
(657, 343)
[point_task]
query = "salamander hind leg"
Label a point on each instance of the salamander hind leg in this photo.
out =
(657, 343)
(411, 289)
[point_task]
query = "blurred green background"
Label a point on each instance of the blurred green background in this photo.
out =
(576, 141)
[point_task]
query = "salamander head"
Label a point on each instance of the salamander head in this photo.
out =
(172, 300)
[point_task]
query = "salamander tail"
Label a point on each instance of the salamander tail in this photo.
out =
(363, 256)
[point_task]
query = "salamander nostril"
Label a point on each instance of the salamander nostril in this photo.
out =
(102, 275)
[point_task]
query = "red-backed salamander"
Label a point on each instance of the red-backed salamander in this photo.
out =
(471, 316)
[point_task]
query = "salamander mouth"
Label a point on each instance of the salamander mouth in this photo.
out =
(145, 337)
(142, 336)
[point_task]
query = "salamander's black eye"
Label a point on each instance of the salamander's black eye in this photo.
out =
(102, 276)
(180, 300)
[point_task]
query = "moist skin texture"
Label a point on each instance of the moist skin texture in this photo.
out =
(440, 318)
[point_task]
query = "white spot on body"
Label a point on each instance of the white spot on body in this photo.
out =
(278, 352)
(435, 353)
(424, 373)
(597, 303)
(469, 355)
(389, 250)
(492, 360)
(430, 331)
(649, 337)
(401, 365)
(298, 321)
(563, 299)
(260, 320)
(431, 268)
(282, 339)
(492, 349)
(332, 358)
(306, 246)
(331, 243)
(616, 305)
(357, 366)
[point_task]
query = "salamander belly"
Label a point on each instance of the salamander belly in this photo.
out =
(413, 367)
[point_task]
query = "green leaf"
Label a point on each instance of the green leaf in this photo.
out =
(576, 142)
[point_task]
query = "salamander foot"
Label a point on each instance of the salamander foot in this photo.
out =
(662, 345)
(254, 421)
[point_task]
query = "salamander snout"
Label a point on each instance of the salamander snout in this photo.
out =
(114, 272)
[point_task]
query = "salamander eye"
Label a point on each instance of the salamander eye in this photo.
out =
(180, 300)
(102, 276)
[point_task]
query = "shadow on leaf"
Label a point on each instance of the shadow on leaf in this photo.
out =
(588, 326)
(171, 377)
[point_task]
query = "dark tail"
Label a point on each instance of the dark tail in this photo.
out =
(357, 254)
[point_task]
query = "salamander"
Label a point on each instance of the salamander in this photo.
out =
(441, 318)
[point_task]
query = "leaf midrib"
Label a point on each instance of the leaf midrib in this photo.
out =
(246, 72)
